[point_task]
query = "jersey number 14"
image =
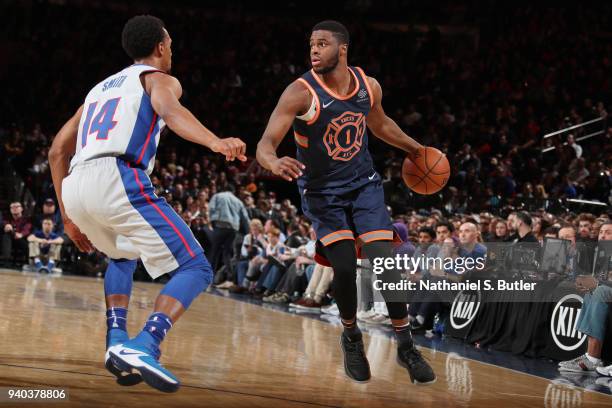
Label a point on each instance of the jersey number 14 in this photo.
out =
(103, 122)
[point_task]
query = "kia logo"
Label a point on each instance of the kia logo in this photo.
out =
(563, 323)
(464, 309)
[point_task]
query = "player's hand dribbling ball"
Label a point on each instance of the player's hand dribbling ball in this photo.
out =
(426, 171)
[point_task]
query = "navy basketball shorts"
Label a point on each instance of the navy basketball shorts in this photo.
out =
(360, 213)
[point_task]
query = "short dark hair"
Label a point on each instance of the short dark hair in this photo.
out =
(524, 217)
(48, 219)
(428, 231)
(447, 224)
(141, 34)
(337, 29)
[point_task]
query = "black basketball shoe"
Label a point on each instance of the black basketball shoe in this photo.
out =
(356, 363)
(410, 358)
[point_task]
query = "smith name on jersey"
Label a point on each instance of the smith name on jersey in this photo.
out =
(118, 120)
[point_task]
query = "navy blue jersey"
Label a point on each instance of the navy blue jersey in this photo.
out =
(333, 145)
(44, 249)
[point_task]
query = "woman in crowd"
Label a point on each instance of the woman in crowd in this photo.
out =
(500, 229)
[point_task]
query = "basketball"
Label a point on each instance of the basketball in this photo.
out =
(427, 172)
(272, 190)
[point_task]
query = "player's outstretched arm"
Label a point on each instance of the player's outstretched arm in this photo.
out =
(63, 147)
(165, 91)
(294, 100)
(384, 127)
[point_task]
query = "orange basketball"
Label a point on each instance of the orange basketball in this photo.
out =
(427, 172)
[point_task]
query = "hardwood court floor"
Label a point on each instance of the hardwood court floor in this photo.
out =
(232, 354)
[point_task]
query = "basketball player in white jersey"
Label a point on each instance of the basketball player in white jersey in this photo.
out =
(107, 200)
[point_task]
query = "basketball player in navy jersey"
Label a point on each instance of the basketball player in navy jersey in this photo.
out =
(329, 108)
(107, 200)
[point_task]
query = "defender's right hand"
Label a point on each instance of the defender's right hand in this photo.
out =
(80, 240)
(287, 167)
(231, 147)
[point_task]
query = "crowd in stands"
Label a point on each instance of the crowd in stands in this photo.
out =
(485, 103)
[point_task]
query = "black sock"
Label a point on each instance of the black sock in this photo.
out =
(403, 335)
(351, 331)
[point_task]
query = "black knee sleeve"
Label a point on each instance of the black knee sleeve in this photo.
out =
(343, 258)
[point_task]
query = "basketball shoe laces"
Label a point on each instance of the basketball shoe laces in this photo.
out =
(414, 358)
(576, 360)
(355, 352)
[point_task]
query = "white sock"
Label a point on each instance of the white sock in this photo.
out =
(593, 360)
(420, 319)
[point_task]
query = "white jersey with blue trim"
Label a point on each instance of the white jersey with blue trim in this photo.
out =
(118, 120)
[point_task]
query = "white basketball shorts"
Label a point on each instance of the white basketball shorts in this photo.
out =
(115, 205)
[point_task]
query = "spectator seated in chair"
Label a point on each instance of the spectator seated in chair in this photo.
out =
(271, 272)
(14, 234)
(253, 245)
(49, 210)
(318, 286)
(593, 316)
(45, 243)
(424, 306)
(299, 273)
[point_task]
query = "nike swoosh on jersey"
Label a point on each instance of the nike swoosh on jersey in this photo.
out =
(325, 105)
(372, 176)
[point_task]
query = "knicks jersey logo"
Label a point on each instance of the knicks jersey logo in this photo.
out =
(344, 136)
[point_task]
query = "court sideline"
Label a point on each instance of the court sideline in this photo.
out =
(232, 353)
